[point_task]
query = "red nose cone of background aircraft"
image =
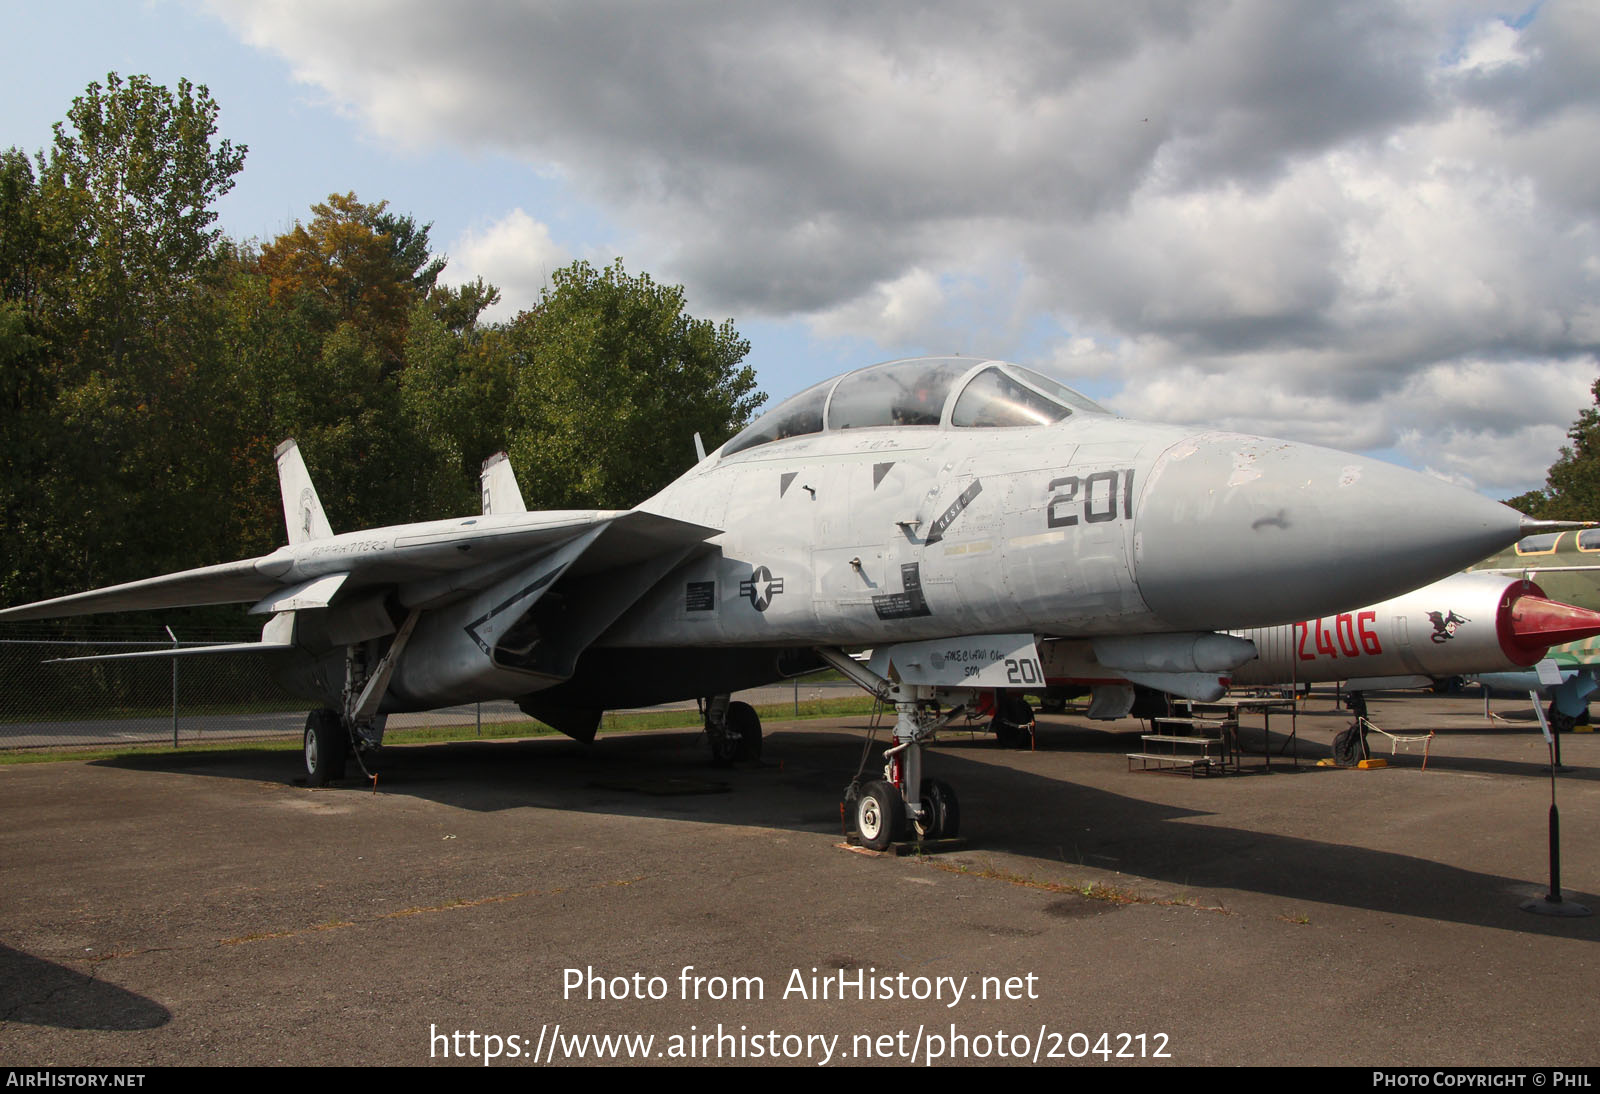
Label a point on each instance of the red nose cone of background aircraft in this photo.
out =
(1532, 623)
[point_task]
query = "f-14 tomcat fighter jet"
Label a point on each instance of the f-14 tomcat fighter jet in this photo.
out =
(951, 514)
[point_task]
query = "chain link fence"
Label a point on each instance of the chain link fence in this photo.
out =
(176, 701)
(204, 697)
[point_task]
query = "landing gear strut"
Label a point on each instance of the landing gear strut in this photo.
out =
(887, 810)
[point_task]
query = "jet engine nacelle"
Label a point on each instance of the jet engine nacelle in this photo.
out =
(491, 643)
(1465, 624)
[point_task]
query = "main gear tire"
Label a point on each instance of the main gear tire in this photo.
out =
(1012, 724)
(949, 807)
(1559, 722)
(1005, 734)
(941, 810)
(326, 747)
(745, 723)
(1347, 746)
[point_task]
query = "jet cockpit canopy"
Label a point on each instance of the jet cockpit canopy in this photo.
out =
(964, 392)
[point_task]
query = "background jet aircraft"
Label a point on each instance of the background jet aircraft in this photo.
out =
(1466, 624)
(1493, 622)
(1568, 564)
(947, 512)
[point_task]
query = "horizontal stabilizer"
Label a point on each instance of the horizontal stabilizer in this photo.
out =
(277, 635)
(175, 651)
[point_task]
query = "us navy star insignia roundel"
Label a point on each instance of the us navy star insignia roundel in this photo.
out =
(761, 588)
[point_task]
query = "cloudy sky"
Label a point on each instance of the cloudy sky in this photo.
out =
(1372, 226)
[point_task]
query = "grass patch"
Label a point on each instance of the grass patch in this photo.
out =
(492, 731)
(122, 751)
(132, 713)
(773, 712)
(611, 723)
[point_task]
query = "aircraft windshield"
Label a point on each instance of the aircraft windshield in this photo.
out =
(793, 417)
(915, 393)
(1057, 390)
(995, 399)
(898, 393)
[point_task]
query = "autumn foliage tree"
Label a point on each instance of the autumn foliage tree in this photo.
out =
(357, 264)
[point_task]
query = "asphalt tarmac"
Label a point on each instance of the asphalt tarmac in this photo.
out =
(205, 909)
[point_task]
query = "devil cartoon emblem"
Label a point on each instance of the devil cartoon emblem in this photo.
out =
(1444, 625)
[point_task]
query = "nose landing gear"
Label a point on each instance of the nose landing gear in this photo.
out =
(902, 804)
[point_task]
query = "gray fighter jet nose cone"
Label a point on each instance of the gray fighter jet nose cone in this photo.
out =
(1263, 531)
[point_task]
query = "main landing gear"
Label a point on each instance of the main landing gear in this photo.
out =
(1012, 724)
(330, 742)
(333, 736)
(732, 729)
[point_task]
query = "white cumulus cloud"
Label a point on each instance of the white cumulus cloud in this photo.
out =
(514, 253)
(1287, 213)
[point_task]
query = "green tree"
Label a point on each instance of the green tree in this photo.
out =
(28, 379)
(23, 254)
(1572, 486)
(455, 391)
(148, 365)
(127, 193)
(108, 338)
(23, 388)
(610, 380)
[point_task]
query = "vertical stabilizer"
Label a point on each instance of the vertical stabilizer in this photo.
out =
(499, 482)
(302, 509)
